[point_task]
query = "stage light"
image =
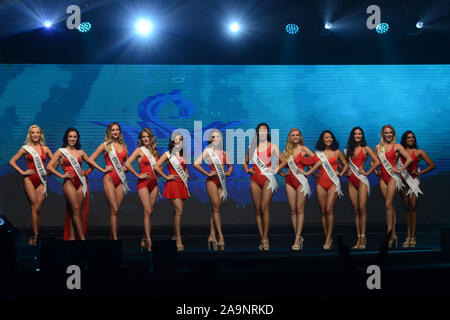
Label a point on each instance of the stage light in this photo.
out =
(419, 25)
(328, 26)
(234, 27)
(84, 27)
(382, 28)
(48, 24)
(292, 28)
(144, 27)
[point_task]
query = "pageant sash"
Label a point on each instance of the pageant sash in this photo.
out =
(263, 168)
(300, 177)
(118, 167)
(179, 169)
(76, 166)
(39, 166)
(387, 165)
(413, 183)
(330, 172)
(358, 175)
(220, 172)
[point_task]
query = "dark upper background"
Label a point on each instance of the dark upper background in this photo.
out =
(194, 32)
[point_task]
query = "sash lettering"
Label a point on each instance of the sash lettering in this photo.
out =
(76, 166)
(39, 166)
(300, 177)
(220, 171)
(330, 172)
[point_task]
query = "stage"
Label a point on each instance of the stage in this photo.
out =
(240, 273)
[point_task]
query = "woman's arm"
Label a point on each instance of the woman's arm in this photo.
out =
(129, 165)
(13, 164)
(405, 155)
(428, 160)
(246, 161)
(229, 165)
(344, 161)
(53, 164)
(374, 163)
(197, 165)
(158, 168)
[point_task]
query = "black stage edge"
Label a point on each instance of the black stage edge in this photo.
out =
(119, 270)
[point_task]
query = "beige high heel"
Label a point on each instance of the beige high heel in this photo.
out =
(212, 243)
(407, 243)
(363, 240)
(356, 246)
(264, 246)
(221, 246)
(180, 247)
(299, 246)
(392, 240)
(328, 246)
(413, 243)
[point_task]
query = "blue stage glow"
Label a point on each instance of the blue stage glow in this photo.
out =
(48, 24)
(2, 221)
(328, 26)
(84, 27)
(419, 25)
(144, 27)
(382, 28)
(234, 27)
(292, 28)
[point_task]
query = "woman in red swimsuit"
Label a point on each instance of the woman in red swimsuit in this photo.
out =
(357, 153)
(72, 186)
(175, 188)
(302, 156)
(214, 187)
(260, 186)
(325, 188)
(147, 184)
(112, 184)
(34, 189)
(389, 184)
(409, 142)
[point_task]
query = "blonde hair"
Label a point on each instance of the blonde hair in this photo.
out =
(42, 138)
(108, 138)
(380, 146)
(290, 145)
(152, 147)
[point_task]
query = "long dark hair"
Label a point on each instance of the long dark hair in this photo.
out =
(352, 144)
(405, 137)
(172, 142)
(66, 138)
(262, 124)
(321, 145)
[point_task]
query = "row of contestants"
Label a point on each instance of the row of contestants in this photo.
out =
(296, 157)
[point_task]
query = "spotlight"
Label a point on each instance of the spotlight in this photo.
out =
(144, 27)
(328, 26)
(419, 25)
(84, 27)
(382, 28)
(292, 28)
(48, 24)
(234, 27)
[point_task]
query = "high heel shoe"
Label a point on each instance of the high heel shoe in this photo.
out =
(328, 246)
(174, 238)
(413, 243)
(212, 243)
(362, 244)
(407, 243)
(299, 246)
(144, 247)
(264, 246)
(221, 246)
(392, 240)
(356, 246)
(180, 247)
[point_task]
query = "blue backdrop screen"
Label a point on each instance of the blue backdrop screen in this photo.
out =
(312, 98)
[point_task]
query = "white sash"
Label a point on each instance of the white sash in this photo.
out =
(118, 167)
(220, 171)
(358, 175)
(330, 172)
(413, 183)
(39, 166)
(152, 161)
(387, 165)
(300, 177)
(263, 168)
(178, 168)
(76, 167)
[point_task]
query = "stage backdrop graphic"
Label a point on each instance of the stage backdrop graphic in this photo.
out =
(163, 98)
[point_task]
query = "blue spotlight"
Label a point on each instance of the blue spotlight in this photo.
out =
(328, 26)
(144, 27)
(292, 28)
(234, 27)
(48, 24)
(84, 27)
(382, 28)
(419, 25)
